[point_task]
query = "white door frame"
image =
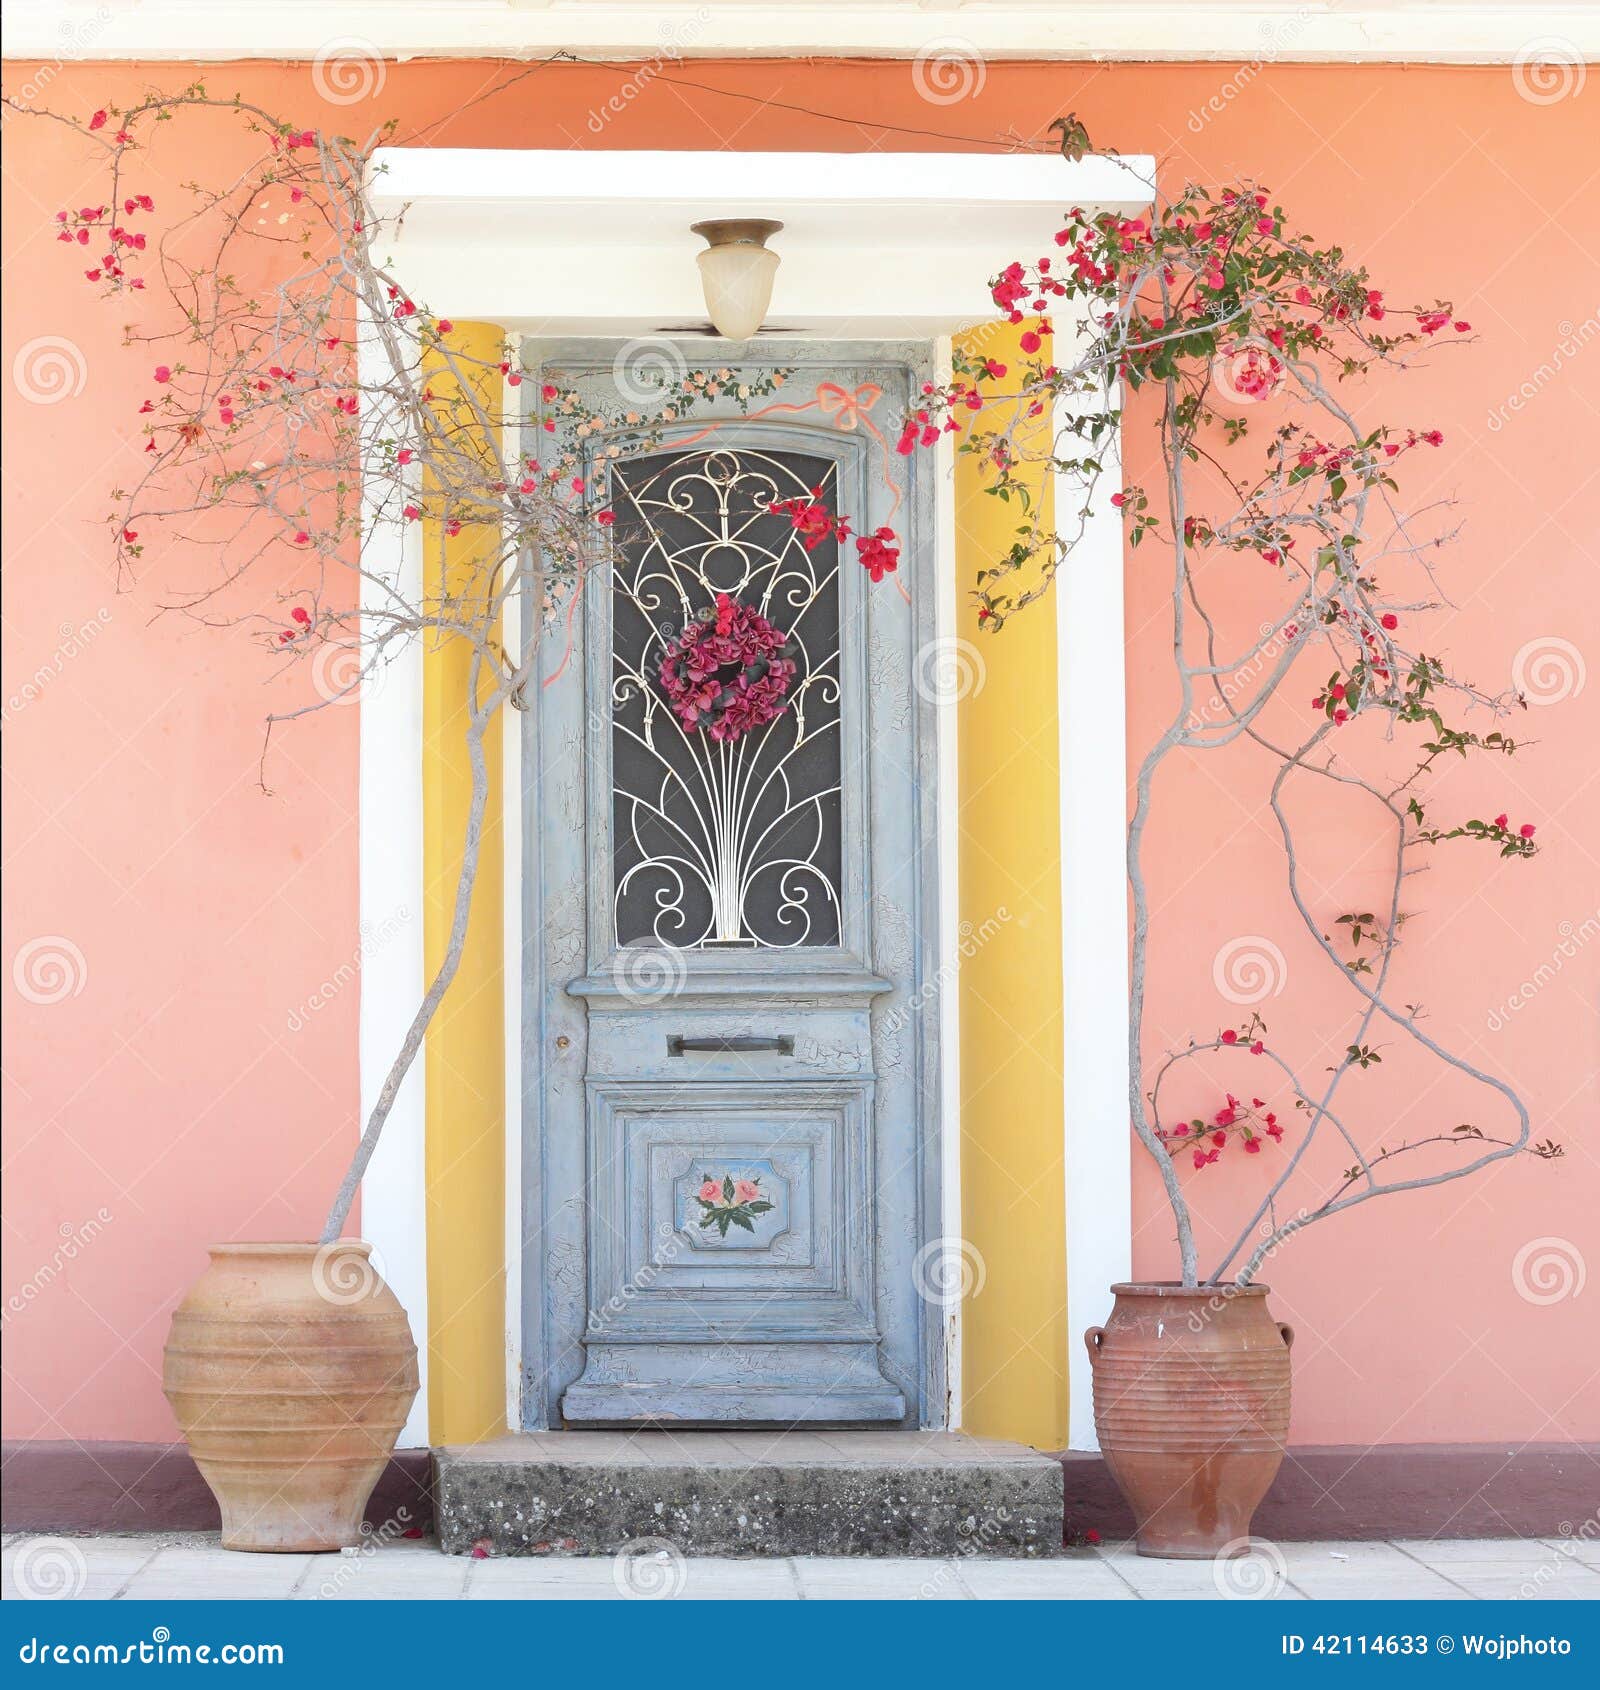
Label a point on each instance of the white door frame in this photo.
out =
(895, 246)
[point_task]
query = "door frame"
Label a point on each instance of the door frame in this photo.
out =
(497, 235)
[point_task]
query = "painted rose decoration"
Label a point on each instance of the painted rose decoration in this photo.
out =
(730, 1202)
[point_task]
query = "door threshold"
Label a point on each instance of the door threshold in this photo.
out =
(745, 1491)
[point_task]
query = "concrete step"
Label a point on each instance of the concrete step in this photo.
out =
(748, 1493)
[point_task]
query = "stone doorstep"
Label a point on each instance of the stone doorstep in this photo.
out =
(749, 1494)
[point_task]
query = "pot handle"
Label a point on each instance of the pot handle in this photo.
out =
(1288, 1334)
(1093, 1339)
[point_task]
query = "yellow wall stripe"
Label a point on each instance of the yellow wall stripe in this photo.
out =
(465, 1056)
(1014, 1335)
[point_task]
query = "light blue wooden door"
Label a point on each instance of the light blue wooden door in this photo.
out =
(731, 1098)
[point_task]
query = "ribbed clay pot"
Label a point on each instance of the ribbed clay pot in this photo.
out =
(291, 1370)
(1191, 1403)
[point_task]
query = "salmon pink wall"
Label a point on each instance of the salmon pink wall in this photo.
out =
(181, 946)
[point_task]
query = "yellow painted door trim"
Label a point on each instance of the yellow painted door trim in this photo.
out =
(1014, 1331)
(465, 1053)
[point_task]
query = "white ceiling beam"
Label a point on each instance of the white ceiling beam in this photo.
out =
(1424, 31)
(608, 249)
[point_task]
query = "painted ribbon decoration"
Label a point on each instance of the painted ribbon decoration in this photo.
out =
(845, 407)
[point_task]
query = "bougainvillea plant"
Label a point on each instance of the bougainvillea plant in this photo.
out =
(303, 408)
(1234, 335)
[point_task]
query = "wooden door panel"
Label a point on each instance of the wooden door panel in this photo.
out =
(732, 1084)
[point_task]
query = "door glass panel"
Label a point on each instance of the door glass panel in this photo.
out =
(724, 841)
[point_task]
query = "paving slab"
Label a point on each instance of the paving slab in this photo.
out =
(155, 1568)
(1584, 1549)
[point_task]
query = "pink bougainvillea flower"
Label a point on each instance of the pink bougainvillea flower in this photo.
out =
(163, 373)
(301, 615)
(404, 455)
(444, 325)
(605, 518)
(1502, 820)
(1390, 620)
(879, 554)
(1229, 1036)
(1527, 830)
(98, 121)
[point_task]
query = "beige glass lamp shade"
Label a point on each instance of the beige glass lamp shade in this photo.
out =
(736, 272)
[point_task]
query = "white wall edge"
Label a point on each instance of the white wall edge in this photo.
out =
(1439, 31)
(1092, 684)
(394, 1192)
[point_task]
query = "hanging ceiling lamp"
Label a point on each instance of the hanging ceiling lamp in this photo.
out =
(736, 271)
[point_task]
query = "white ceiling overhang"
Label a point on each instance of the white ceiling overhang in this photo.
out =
(897, 244)
(1445, 31)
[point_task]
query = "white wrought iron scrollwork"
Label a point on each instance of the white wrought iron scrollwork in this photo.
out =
(721, 843)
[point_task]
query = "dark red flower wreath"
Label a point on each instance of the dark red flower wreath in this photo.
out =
(728, 671)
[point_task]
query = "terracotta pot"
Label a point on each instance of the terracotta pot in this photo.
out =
(291, 1370)
(1191, 1402)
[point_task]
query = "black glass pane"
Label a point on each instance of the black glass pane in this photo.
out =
(726, 827)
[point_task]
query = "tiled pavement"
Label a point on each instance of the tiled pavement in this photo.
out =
(177, 1568)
